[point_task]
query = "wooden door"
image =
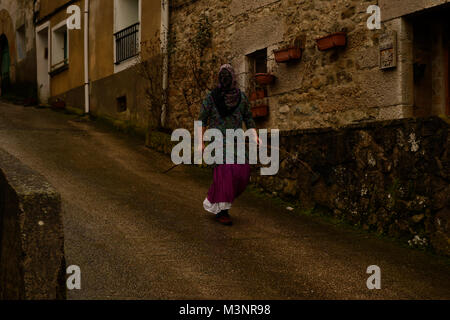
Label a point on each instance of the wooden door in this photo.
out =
(447, 80)
(447, 66)
(5, 63)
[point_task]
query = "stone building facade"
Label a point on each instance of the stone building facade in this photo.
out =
(366, 118)
(17, 47)
(324, 89)
(327, 88)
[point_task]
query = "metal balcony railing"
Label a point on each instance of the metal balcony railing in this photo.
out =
(127, 43)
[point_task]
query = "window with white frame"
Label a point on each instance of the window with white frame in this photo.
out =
(21, 43)
(60, 46)
(126, 29)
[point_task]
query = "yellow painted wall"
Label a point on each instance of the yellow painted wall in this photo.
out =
(102, 37)
(101, 40)
(74, 76)
(101, 46)
(151, 18)
(48, 6)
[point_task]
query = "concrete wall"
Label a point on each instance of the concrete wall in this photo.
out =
(13, 15)
(126, 84)
(32, 264)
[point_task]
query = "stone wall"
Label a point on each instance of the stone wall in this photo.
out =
(15, 14)
(324, 89)
(32, 263)
(391, 177)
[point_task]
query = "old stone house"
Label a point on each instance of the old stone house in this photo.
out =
(397, 71)
(17, 47)
(357, 140)
(90, 67)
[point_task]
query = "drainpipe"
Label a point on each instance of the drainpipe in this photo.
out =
(86, 57)
(165, 24)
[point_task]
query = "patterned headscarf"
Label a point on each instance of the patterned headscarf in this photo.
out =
(230, 69)
(227, 100)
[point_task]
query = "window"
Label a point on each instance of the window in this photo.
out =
(126, 29)
(60, 47)
(122, 104)
(127, 13)
(256, 63)
(21, 43)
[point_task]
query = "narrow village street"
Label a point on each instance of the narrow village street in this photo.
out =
(137, 233)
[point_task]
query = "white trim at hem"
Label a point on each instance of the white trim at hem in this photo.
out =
(216, 207)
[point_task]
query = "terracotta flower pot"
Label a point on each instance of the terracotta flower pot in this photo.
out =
(264, 79)
(258, 94)
(295, 53)
(260, 111)
(288, 54)
(338, 39)
(281, 55)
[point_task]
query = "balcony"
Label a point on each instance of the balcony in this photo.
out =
(127, 43)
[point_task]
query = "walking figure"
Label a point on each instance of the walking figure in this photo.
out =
(226, 107)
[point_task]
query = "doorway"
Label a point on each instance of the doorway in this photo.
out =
(5, 65)
(431, 62)
(43, 62)
(447, 67)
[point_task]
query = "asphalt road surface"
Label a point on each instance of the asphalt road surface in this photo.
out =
(137, 233)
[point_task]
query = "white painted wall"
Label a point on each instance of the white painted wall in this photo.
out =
(58, 43)
(43, 66)
(126, 12)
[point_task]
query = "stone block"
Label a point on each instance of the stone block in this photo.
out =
(32, 263)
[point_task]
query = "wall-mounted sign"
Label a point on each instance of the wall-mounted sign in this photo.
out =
(388, 50)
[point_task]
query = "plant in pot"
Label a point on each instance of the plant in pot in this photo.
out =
(257, 94)
(260, 110)
(291, 52)
(258, 102)
(334, 39)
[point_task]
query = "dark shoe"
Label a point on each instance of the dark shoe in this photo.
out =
(224, 218)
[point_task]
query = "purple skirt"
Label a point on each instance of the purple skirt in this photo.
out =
(229, 182)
